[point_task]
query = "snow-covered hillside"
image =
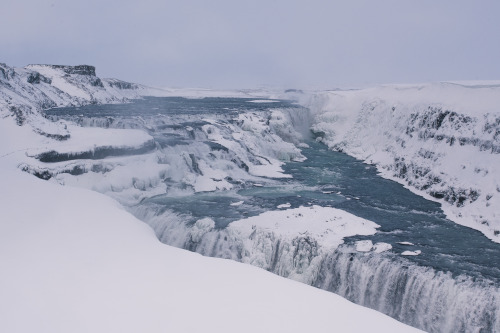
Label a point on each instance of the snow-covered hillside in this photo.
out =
(25, 91)
(441, 140)
(75, 261)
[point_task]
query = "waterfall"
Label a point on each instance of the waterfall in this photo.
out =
(418, 296)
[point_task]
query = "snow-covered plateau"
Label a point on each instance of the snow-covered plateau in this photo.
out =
(74, 260)
(238, 175)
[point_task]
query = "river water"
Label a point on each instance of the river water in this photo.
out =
(451, 286)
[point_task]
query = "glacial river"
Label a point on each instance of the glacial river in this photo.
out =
(460, 259)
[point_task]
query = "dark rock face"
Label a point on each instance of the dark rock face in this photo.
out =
(40, 173)
(2, 72)
(96, 82)
(423, 178)
(121, 84)
(80, 69)
(437, 124)
(6, 72)
(76, 170)
(36, 78)
(20, 113)
(58, 137)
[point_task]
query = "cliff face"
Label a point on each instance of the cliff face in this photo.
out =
(79, 69)
(441, 140)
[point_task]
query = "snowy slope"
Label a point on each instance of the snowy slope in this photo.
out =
(25, 91)
(441, 140)
(74, 261)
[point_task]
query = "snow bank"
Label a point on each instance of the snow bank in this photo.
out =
(441, 140)
(328, 226)
(89, 139)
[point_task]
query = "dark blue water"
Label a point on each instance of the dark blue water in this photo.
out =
(153, 106)
(402, 215)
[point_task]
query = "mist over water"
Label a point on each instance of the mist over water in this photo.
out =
(452, 286)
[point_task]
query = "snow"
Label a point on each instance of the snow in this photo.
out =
(364, 246)
(254, 136)
(411, 253)
(88, 139)
(238, 203)
(271, 170)
(326, 225)
(368, 246)
(58, 81)
(285, 205)
(381, 247)
(127, 181)
(74, 261)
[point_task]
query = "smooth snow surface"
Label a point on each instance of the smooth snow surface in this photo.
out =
(327, 225)
(411, 253)
(285, 205)
(381, 247)
(364, 246)
(74, 261)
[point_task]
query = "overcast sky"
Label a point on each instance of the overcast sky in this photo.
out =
(238, 44)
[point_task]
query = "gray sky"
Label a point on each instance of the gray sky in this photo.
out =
(238, 44)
